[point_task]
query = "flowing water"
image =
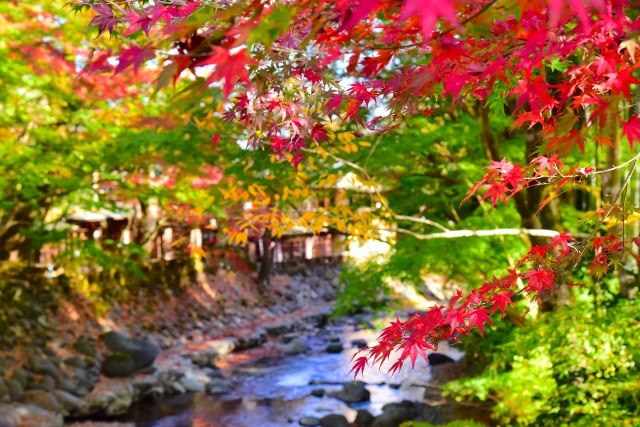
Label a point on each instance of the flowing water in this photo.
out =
(276, 392)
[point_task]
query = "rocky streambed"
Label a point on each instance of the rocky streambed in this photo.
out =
(278, 365)
(300, 376)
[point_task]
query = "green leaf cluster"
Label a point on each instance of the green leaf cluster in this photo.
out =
(575, 366)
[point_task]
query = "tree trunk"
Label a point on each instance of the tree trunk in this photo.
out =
(266, 261)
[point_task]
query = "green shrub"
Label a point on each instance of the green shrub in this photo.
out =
(459, 423)
(362, 286)
(571, 367)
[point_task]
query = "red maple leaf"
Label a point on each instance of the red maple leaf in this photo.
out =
(104, 19)
(501, 300)
(358, 366)
(137, 22)
(479, 317)
(576, 8)
(539, 280)
(230, 67)
(318, 133)
(562, 240)
(429, 11)
(357, 14)
(631, 129)
(334, 103)
(134, 55)
(551, 164)
(413, 348)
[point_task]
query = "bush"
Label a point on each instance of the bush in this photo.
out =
(363, 286)
(571, 367)
(460, 423)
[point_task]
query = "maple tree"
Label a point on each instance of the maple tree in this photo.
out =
(564, 70)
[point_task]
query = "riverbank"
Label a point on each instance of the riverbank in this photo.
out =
(163, 346)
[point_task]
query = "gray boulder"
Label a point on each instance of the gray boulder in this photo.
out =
(353, 392)
(309, 421)
(43, 399)
(218, 386)
(334, 420)
(113, 398)
(85, 347)
(394, 414)
(203, 358)
(364, 418)
(142, 352)
(22, 377)
(15, 390)
(76, 362)
(43, 366)
(4, 392)
(317, 392)
(45, 382)
(223, 346)
(28, 416)
(334, 348)
(359, 343)
(70, 403)
(295, 346)
(118, 365)
(192, 385)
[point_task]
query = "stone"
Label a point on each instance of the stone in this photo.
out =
(118, 365)
(212, 372)
(436, 359)
(142, 352)
(334, 338)
(45, 382)
(223, 346)
(295, 346)
(364, 418)
(9, 416)
(43, 399)
(70, 403)
(334, 420)
(359, 343)
(43, 366)
(334, 348)
(76, 362)
(394, 414)
(178, 388)
(192, 385)
(218, 387)
(6, 363)
(22, 376)
(353, 392)
(15, 390)
(111, 397)
(143, 384)
(28, 416)
(317, 392)
(85, 347)
(4, 392)
(203, 358)
(309, 421)
(85, 379)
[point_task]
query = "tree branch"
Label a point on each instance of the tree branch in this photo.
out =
(480, 233)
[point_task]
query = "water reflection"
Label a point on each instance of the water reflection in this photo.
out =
(277, 392)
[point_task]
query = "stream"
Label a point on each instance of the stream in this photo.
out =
(276, 391)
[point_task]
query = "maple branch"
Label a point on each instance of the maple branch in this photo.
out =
(481, 233)
(419, 220)
(627, 179)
